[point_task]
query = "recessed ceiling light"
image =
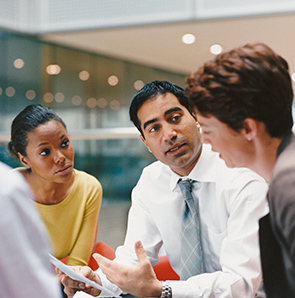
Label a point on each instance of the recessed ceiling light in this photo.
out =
(188, 38)
(84, 75)
(102, 102)
(59, 97)
(10, 91)
(76, 100)
(53, 69)
(48, 97)
(18, 63)
(30, 94)
(91, 102)
(216, 49)
(115, 104)
(138, 84)
(113, 80)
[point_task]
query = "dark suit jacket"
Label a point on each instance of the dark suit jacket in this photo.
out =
(277, 231)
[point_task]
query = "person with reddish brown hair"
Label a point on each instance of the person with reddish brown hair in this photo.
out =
(243, 100)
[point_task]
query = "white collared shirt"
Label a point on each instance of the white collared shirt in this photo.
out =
(231, 201)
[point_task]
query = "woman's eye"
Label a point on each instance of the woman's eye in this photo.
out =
(45, 152)
(65, 144)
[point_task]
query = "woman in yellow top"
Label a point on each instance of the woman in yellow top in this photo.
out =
(68, 200)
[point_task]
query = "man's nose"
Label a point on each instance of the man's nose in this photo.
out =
(169, 133)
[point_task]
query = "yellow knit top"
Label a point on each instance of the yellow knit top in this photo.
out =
(72, 223)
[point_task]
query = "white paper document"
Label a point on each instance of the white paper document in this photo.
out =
(82, 295)
(78, 277)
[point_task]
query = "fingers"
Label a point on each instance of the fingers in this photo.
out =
(140, 252)
(108, 267)
(72, 286)
(141, 255)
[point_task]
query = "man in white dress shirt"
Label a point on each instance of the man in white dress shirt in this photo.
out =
(25, 267)
(231, 201)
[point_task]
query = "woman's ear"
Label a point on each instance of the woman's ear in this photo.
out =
(25, 162)
(250, 128)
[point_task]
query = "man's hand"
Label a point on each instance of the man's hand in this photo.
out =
(139, 280)
(72, 286)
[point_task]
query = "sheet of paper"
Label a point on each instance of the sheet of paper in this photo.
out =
(82, 295)
(78, 277)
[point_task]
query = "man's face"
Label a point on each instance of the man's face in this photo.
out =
(232, 145)
(170, 132)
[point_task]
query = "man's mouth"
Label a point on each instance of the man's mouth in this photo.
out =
(175, 148)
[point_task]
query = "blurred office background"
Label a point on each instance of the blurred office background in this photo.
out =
(86, 59)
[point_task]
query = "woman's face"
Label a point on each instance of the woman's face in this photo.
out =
(233, 146)
(50, 153)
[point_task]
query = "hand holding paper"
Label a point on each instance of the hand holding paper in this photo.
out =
(77, 279)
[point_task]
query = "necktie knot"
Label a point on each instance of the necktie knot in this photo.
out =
(186, 186)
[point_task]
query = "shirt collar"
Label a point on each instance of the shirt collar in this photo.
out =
(204, 170)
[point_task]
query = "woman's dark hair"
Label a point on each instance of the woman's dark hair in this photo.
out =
(26, 121)
(248, 82)
(152, 90)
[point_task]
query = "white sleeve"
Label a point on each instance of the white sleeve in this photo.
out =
(25, 267)
(141, 226)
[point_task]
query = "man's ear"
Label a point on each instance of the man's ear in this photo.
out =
(250, 128)
(144, 141)
(24, 160)
(197, 123)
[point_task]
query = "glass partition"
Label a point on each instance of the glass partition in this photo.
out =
(89, 92)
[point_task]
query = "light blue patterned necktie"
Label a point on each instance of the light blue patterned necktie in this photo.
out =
(191, 247)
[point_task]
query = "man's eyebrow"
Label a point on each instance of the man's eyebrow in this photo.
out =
(175, 109)
(147, 123)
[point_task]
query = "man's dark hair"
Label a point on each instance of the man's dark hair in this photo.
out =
(153, 90)
(250, 81)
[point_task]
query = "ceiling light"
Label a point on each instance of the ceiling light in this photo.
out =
(59, 97)
(10, 91)
(113, 80)
(102, 102)
(216, 49)
(48, 97)
(115, 104)
(18, 63)
(53, 69)
(76, 100)
(138, 84)
(84, 75)
(188, 38)
(293, 76)
(91, 102)
(30, 94)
